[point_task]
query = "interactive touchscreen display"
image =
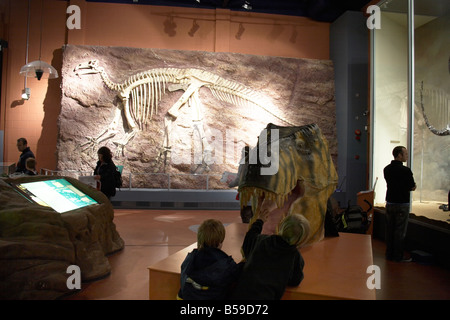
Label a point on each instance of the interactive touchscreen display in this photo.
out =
(58, 194)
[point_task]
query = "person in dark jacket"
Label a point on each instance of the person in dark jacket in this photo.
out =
(22, 146)
(104, 172)
(208, 273)
(400, 183)
(272, 262)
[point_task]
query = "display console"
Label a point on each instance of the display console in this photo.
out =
(58, 194)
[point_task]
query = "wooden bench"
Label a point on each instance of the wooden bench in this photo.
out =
(335, 268)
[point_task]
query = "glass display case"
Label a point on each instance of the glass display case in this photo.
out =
(410, 97)
(7, 168)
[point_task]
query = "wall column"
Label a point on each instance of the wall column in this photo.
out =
(223, 25)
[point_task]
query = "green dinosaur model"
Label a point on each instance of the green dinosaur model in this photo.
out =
(299, 178)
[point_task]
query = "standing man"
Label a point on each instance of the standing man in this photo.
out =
(22, 146)
(400, 182)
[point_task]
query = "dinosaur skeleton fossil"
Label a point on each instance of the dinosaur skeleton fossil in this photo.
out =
(441, 101)
(141, 93)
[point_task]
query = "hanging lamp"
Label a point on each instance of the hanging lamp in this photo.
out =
(38, 69)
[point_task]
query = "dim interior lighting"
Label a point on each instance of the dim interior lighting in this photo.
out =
(37, 69)
(26, 94)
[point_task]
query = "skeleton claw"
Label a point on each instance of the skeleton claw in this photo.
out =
(92, 143)
(120, 149)
(163, 156)
(202, 168)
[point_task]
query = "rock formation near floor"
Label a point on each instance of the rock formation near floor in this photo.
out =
(38, 244)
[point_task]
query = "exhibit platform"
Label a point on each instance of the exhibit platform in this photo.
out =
(335, 268)
(176, 199)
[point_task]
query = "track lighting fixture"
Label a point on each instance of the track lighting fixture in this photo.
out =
(247, 5)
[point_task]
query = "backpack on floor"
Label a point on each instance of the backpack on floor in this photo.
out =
(353, 219)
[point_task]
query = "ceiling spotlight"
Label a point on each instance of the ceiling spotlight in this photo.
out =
(247, 5)
(385, 4)
(26, 94)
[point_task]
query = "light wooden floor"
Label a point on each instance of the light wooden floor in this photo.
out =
(152, 235)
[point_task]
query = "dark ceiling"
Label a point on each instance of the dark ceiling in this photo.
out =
(319, 10)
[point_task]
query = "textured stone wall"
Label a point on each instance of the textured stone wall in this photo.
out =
(300, 90)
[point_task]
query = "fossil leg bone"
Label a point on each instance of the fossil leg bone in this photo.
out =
(172, 115)
(106, 134)
(132, 126)
(190, 97)
(197, 119)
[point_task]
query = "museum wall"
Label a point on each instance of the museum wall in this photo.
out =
(138, 26)
(349, 53)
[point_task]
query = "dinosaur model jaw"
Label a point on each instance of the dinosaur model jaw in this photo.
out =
(305, 179)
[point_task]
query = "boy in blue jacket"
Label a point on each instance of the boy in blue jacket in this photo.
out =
(208, 273)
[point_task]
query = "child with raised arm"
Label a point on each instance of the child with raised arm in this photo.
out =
(272, 261)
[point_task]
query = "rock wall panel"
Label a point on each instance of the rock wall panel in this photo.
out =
(299, 90)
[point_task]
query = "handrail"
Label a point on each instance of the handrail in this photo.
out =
(169, 176)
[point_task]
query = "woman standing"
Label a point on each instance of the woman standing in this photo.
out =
(104, 172)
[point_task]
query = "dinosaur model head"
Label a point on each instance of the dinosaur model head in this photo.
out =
(87, 67)
(304, 180)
